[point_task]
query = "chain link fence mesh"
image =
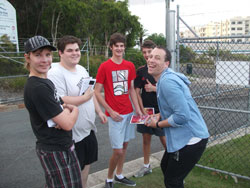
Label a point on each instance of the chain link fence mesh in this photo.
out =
(219, 71)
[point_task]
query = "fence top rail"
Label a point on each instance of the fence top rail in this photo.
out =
(221, 37)
(213, 42)
(14, 76)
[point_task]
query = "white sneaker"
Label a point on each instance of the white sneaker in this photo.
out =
(143, 171)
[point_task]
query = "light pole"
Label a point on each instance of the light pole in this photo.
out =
(170, 33)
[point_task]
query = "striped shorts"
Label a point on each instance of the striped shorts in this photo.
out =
(61, 168)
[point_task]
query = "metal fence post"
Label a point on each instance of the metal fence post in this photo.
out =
(171, 43)
(217, 90)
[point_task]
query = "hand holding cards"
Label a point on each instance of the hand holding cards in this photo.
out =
(136, 119)
(86, 82)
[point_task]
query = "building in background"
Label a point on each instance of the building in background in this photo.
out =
(240, 26)
(237, 26)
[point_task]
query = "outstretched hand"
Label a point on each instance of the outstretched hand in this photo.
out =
(151, 120)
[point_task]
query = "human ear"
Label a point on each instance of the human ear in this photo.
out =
(27, 57)
(60, 52)
(167, 63)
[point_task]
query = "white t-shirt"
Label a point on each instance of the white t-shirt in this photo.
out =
(69, 84)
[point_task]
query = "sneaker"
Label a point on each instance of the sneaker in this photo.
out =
(125, 181)
(109, 184)
(143, 171)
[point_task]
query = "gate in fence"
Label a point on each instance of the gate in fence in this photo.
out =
(219, 71)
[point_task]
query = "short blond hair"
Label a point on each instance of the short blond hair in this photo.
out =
(26, 64)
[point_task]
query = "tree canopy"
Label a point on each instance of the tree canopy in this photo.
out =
(94, 20)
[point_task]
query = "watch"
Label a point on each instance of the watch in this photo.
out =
(157, 124)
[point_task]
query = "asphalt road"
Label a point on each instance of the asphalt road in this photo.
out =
(19, 165)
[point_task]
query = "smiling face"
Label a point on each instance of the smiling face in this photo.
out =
(157, 63)
(71, 55)
(146, 52)
(39, 62)
(118, 49)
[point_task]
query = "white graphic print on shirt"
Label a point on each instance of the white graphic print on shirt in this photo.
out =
(120, 82)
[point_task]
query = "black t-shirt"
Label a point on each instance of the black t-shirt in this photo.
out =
(43, 103)
(149, 99)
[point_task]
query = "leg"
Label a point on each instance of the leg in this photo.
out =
(146, 135)
(122, 158)
(180, 163)
(164, 164)
(84, 175)
(163, 141)
(146, 147)
(57, 174)
(117, 154)
(121, 178)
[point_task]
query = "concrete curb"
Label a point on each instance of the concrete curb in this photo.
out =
(10, 107)
(97, 179)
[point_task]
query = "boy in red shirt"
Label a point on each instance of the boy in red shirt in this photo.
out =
(116, 76)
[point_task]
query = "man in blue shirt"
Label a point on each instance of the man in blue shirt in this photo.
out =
(185, 130)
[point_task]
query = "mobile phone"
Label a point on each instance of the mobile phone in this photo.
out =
(91, 82)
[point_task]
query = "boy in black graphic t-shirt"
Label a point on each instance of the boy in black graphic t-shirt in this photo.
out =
(54, 141)
(145, 87)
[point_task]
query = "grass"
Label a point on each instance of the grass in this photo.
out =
(13, 84)
(197, 178)
(232, 156)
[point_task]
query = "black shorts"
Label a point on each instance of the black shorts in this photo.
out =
(153, 131)
(87, 150)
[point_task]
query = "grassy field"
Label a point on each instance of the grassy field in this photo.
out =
(232, 156)
(198, 178)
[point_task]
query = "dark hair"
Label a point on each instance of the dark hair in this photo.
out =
(168, 56)
(68, 39)
(116, 37)
(148, 44)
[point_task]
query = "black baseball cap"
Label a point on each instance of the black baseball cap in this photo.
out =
(37, 42)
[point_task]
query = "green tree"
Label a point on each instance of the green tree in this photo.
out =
(29, 17)
(187, 55)
(158, 39)
(8, 65)
(142, 34)
(116, 17)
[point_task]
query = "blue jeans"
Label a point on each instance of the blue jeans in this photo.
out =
(176, 166)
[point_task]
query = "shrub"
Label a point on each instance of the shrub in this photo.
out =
(135, 56)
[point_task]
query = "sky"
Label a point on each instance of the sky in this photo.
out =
(193, 12)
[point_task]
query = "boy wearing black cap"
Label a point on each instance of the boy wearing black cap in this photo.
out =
(54, 145)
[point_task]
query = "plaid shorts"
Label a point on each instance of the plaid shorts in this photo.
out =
(61, 168)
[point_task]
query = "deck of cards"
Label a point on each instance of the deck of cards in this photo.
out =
(135, 119)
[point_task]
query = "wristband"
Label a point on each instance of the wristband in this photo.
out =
(157, 124)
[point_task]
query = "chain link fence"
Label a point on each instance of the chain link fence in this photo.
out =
(219, 71)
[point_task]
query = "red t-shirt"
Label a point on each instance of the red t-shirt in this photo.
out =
(116, 80)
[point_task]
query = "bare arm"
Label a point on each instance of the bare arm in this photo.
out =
(138, 94)
(133, 96)
(78, 100)
(99, 111)
(67, 118)
(113, 114)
